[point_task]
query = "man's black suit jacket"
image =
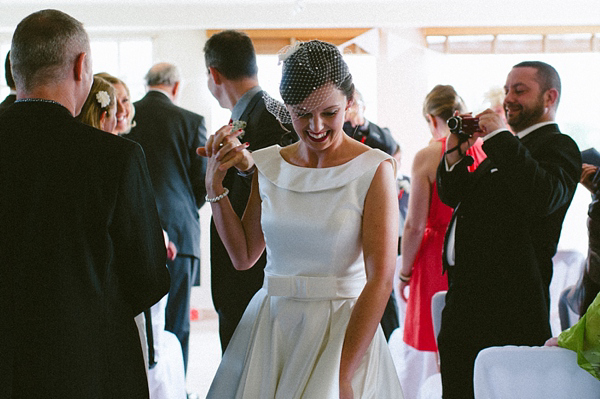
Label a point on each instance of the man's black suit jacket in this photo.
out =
(233, 289)
(170, 136)
(8, 101)
(508, 222)
(81, 253)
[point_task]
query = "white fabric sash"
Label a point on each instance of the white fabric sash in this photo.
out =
(303, 287)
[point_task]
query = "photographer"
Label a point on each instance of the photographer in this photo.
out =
(507, 219)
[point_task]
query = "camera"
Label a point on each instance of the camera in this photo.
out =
(465, 126)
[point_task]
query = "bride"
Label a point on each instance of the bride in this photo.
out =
(326, 210)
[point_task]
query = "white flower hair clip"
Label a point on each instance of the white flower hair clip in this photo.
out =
(287, 51)
(103, 98)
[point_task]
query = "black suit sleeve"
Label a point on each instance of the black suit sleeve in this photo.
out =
(198, 164)
(139, 249)
(545, 180)
(451, 184)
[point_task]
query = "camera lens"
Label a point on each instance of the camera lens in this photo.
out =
(453, 123)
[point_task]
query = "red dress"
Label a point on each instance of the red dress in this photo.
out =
(427, 277)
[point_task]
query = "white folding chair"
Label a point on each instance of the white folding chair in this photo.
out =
(527, 372)
(568, 266)
(438, 301)
(432, 387)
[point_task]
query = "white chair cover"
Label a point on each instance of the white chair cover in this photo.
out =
(432, 387)
(438, 301)
(166, 380)
(533, 373)
(568, 266)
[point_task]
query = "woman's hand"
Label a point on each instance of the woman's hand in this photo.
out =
(225, 145)
(402, 290)
(346, 391)
(223, 150)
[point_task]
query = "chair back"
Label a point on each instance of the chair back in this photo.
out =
(568, 267)
(532, 373)
(438, 301)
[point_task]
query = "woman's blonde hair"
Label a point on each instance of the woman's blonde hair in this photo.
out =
(442, 101)
(95, 104)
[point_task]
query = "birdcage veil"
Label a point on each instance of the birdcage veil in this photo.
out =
(307, 68)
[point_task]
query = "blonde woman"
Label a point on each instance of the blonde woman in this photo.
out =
(125, 108)
(100, 108)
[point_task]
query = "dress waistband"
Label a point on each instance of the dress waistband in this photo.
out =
(303, 287)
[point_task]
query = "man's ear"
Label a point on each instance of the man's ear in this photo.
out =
(550, 97)
(79, 67)
(216, 75)
(175, 89)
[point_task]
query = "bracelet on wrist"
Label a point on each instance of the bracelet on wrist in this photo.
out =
(403, 278)
(218, 197)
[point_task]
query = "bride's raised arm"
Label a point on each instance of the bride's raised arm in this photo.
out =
(243, 238)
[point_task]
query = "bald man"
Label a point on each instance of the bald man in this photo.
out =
(169, 136)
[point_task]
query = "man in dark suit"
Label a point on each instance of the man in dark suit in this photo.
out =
(169, 136)
(506, 225)
(81, 248)
(10, 99)
(232, 80)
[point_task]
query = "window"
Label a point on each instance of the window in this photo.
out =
(129, 60)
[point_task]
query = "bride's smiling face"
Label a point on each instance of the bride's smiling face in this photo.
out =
(319, 126)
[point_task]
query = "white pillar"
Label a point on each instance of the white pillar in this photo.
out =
(401, 89)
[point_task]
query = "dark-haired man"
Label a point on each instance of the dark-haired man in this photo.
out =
(81, 247)
(232, 80)
(507, 220)
(12, 96)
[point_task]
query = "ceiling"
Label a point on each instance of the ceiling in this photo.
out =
(148, 15)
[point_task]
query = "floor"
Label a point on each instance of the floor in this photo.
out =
(205, 354)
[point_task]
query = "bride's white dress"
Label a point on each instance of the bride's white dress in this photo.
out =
(289, 341)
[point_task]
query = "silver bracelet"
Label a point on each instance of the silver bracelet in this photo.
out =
(218, 197)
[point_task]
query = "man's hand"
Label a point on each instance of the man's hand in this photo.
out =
(490, 121)
(587, 175)
(453, 140)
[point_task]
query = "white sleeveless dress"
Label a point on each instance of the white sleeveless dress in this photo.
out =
(289, 342)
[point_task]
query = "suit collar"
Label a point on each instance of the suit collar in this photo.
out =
(157, 94)
(244, 103)
(251, 105)
(532, 128)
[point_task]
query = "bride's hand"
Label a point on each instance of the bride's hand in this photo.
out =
(346, 391)
(225, 145)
